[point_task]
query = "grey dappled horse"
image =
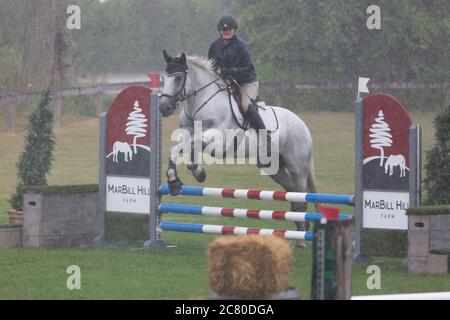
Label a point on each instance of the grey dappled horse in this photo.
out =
(192, 82)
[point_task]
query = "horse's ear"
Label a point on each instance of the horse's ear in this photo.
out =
(166, 56)
(183, 58)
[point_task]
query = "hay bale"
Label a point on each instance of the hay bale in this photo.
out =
(249, 267)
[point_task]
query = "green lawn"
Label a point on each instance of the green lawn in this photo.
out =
(172, 273)
(114, 272)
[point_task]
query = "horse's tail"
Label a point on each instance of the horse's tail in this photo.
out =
(311, 182)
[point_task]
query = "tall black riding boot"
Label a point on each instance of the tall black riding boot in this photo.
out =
(253, 117)
(256, 122)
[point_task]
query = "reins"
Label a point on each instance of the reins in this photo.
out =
(191, 118)
(194, 93)
(182, 96)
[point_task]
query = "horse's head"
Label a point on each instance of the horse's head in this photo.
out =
(174, 77)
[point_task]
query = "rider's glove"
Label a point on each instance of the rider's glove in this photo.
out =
(226, 72)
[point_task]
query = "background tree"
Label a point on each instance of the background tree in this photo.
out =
(35, 162)
(48, 48)
(321, 41)
(11, 47)
(437, 181)
(129, 36)
(293, 41)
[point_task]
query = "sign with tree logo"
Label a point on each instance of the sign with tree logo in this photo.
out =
(384, 165)
(127, 151)
(387, 175)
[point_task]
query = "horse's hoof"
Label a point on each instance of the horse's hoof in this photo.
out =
(175, 187)
(307, 225)
(302, 226)
(202, 176)
(300, 244)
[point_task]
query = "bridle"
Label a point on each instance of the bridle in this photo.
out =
(178, 96)
(181, 95)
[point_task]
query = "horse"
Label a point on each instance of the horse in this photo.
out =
(192, 83)
(393, 161)
(123, 147)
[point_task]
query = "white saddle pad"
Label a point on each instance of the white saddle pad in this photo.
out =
(267, 114)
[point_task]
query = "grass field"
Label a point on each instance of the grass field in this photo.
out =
(114, 272)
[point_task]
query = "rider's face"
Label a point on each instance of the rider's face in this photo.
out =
(227, 34)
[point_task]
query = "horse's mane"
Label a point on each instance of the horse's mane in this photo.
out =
(203, 64)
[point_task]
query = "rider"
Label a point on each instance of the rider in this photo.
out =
(232, 55)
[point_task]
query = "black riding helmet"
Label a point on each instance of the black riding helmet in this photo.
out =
(227, 22)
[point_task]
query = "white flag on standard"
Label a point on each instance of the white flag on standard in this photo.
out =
(362, 85)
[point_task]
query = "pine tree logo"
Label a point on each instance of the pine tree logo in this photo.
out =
(136, 125)
(380, 136)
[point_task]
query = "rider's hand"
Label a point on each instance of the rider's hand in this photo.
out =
(226, 73)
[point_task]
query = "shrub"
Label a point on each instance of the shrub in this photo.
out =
(35, 162)
(437, 181)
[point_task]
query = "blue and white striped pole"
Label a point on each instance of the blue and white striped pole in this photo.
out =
(263, 195)
(232, 230)
(244, 213)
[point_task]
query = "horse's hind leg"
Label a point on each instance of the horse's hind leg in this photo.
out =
(293, 182)
(284, 178)
(298, 174)
(300, 186)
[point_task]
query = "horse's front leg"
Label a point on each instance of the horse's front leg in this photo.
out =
(182, 145)
(209, 144)
(198, 171)
(198, 143)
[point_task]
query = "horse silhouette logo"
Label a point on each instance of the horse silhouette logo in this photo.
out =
(123, 147)
(393, 161)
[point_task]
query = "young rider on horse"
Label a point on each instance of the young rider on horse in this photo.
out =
(232, 55)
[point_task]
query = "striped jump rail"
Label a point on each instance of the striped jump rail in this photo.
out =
(231, 230)
(263, 195)
(244, 213)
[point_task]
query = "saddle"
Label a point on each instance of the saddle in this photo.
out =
(266, 112)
